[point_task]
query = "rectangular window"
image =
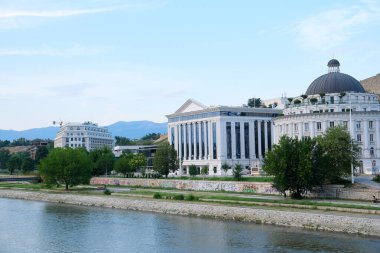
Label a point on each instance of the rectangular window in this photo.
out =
(229, 146)
(332, 124)
(295, 127)
(237, 139)
(370, 124)
(214, 151)
(319, 126)
(371, 137)
(359, 137)
(358, 125)
(246, 140)
(307, 127)
(345, 124)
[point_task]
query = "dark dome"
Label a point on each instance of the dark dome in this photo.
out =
(333, 63)
(334, 82)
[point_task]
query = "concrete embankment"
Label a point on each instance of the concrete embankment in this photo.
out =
(319, 221)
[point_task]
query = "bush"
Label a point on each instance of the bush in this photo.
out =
(237, 172)
(106, 192)
(157, 195)
(193, 170)
(190, 197)
(179, 197)
(376, 178)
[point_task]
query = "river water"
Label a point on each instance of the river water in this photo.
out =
(31, 226)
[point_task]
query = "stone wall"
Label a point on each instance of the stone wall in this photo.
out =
(332, 191)
(196, 185)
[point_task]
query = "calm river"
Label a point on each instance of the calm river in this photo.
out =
(28, 226)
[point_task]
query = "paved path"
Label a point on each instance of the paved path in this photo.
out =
(367, 180)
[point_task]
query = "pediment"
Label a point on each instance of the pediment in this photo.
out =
(190, 106)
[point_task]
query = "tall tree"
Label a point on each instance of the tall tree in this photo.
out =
(66, 166)
(27, 164)
(4, 157)
(41, 153)
(254, 102)
(138, 161)
(165, 159)
(123, 164)
(14, 163)
(102, 161)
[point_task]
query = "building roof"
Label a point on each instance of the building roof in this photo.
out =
(334, 82)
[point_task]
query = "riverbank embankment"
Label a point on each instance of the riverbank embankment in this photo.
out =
(302, 219)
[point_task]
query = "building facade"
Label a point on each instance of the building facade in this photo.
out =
(336, 99)
(211, 136)
(87, 135)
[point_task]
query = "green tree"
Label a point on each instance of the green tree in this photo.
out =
(254, 102)
(295, 165)
(66, 166)
(151, 136)
(27, 164)
(339, 153)
(138, 161)
(4, 157)
(14, 163)
(102, 161)
(237, 171)
(204, 171)
(225, 168)
(41, 153)
(165, 159)
(123, 164)
(193, 170)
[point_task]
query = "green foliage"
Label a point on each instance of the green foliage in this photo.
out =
(27, 165)
(237, 171)
(179, 197)
(107, 192)
(145, 140)
(67, 166)
(297, 101)
(151, 136)
(165, 159)
(190, 197)
(41, 153)
(254, 102)
(204, 171)
(102, 161)
(376, 178)
(4, 157)
(123, 141)
(225, 168)
(193, 170)
(157, 195)
(123, 164)
(300, 165)
(138, 160)
(14, 163)
(313, 100)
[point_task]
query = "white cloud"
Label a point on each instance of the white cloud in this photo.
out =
(330, 29)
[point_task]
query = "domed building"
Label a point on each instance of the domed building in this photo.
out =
(327, 103)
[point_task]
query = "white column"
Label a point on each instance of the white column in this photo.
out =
(365, 139)
(252, 140)
(266, 135)
(210, 154)
(218, 140)
(377, 125)
(205, 140)
(233, 140)
(184, 127)
(242, 141)
(195, 140)
(179, 139)
(259, 138)
(200, 140)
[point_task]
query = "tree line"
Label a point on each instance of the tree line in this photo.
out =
(299, 165)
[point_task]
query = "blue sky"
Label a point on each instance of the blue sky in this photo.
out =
(110, 60)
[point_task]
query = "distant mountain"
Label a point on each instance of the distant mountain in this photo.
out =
(372, 84)
(132, 130)
(137, 129)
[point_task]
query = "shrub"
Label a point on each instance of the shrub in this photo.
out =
(107, 192)
(179, 197)
(190, 197)
(157, 195)
(193, 170)
(237, 172)
(376, 178)
(313, 100)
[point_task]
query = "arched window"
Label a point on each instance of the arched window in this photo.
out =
(372, 151)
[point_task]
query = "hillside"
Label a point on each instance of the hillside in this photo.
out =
(132, 130)
(372, 84)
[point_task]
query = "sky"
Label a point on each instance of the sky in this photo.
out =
(111, 60)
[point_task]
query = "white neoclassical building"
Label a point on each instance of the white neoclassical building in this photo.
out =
(336, 99)
(211, 136)
(88, 135)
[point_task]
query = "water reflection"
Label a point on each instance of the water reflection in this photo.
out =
(43, 227)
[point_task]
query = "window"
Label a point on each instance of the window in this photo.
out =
(295, 127)
(358, 125)
(370, 124)
(246, 140)
(287, 128)
(319, 126)
(67, 139)
(306, 127)
(237, 139)
(345, 124)
(214, 153)
(374, 163)
(372, 151)
(371, 137)
(360, 151)
(359, 137)
(331, 110)
(332, 124)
